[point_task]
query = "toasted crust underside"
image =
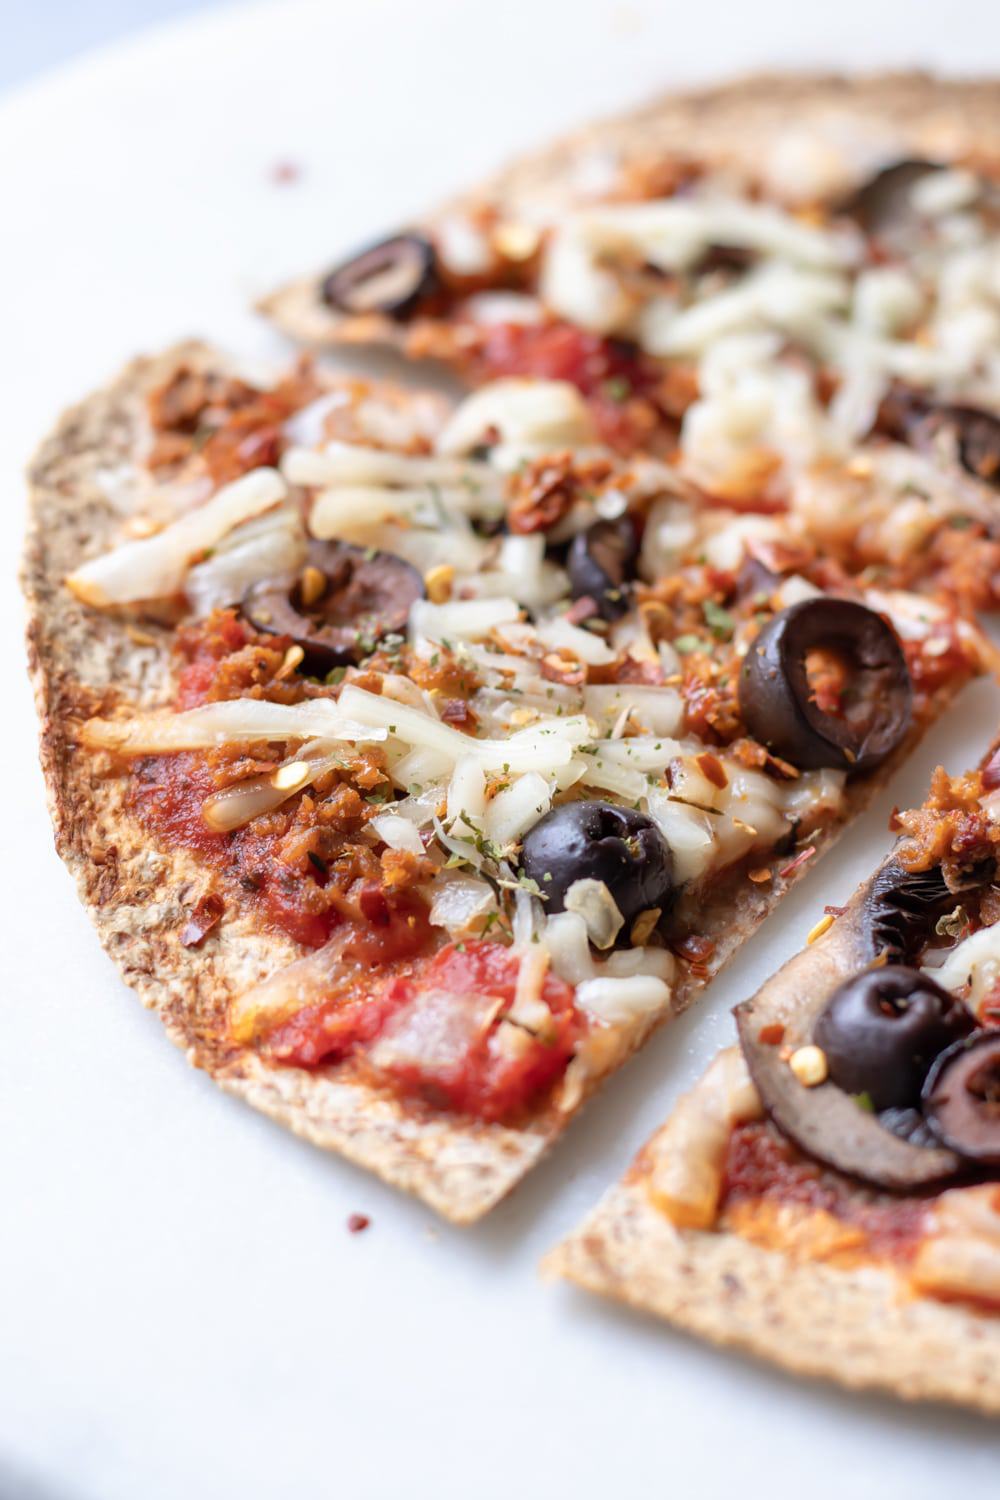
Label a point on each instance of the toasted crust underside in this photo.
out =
(140, 897)
(913, 114)
(857, 1327)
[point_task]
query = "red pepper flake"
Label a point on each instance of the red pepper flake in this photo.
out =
(696, 951)
(358, 1222)
(456, 711)
(205, 915)
(713, 769)
(283, 173)
(798, 862)
(772, 1034)
(834, 911)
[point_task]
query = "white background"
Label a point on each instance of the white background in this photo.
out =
(182, 1310)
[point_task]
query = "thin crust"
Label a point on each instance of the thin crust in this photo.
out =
(893, 114)
(855, 1327)
(140, 897)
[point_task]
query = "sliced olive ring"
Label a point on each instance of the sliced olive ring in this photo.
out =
(777, 701)
(338, 606)
(962, 1098)
(883, 202)
(601, 562)
(390, 278)
(826, 1121)
(882, 1030)
(910, 417)
(599, 841)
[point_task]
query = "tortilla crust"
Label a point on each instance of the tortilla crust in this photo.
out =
(139, 897)
(911, 114)
(857, 1327)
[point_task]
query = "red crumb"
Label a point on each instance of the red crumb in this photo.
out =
(283, 173)
(357, 1222)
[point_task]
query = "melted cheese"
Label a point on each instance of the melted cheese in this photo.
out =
(688, 1153)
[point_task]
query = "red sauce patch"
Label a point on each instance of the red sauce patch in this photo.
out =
(474, 1072)
(762, 1165)
(360, 998)
(437, 1021)
(616, 378)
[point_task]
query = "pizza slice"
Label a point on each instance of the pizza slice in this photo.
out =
(415, 762)
(788, 284)
(828, 1194)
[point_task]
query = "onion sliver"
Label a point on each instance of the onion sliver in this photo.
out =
(236, 721)
(525, 411)
(617, 1001)
(236, 805)
(341, 464)
(398, 832)
(262, 548)
(468, 619)
(307, 981)
(460, 902)
(353, 510)
(154, 567)
(539, 748)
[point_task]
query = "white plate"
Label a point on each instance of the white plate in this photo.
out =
(182, 1309)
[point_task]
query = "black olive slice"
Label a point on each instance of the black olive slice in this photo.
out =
(777, 701)
(882, 1030)
(600, 563)
(390, 278)
(339, 605)
(883, 202)
(910, 417)
(729, 259)
(962, 1098)
(599, 841)
(827, 1122)
(977, 434)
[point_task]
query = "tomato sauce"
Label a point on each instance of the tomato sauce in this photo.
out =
(167, 794)
(441, 1029)
(484, 1079)
(168, 791)
(616, 378)
(761, 1165)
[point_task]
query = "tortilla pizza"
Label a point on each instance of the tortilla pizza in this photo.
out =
(415, 762)
(828, 1194)
(759, 278)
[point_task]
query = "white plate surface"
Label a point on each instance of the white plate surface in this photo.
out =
(182, 1310)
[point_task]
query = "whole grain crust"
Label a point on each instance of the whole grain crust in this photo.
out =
(856, 1327)
(84, 479)
(899, 114)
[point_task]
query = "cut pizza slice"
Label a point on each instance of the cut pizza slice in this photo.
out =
(415, 762)
(828, 1194)
(789, 285)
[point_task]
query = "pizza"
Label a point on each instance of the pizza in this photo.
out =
(798, 316)
(828, 1194)
(416, 760)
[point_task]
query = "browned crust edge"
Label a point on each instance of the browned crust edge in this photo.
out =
(139, 897)
(856, 1327)
(914, 112)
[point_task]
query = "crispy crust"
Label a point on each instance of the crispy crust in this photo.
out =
(855, 1327)
(140, 897)
(909, 113)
